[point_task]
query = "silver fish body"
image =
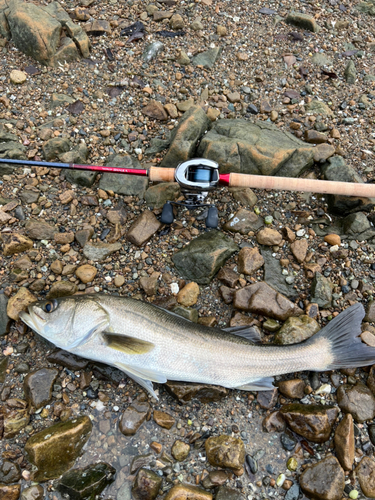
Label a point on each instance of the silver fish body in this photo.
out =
(154, 345)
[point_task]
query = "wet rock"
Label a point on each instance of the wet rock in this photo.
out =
(35, 492)
(344, 442)
(38, 386)
(267, 399)
(296, 329)
(244, 195)
(4, 319)
(208, 58)
(273, 422)
(39, 230)
(163, 419)
(226, 493)
(155, 110)
(350, 73)
(15, 243)
(201, 259)
(293, 493)
(9, 472)
(365, 472)
(53, 148)
(215, 478)
(4, 360)
(128, 185)
(98, 27)
(249, 260)
(140, 461)
(313, 422)
(243, 222)
(133, 417)
(143, 228)
(156, 196)
(187, 492)
(180, 450)
(261, 299)
(273, 274)
(357, 400)
(336, 169)
(86, 482)
(86, 273)
(269, 237)
(62, 289)
(288, 442)
(19, 302)
(324, 480)
(184, 392)
(225, 451)
(100, 251)
(294, 389)
(54, 450)
(147, 485)
(84, 235)
(186, 312)
(321, 291)
(228, 277)
(190, 129)
(14, 422)
(188, 296)
(10, 492)
(239, 145)
(304, 21)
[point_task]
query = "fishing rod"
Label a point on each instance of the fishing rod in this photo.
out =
(198, 176)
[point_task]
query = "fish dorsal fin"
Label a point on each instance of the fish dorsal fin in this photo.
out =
(126, 344)
(143, 376)
(263, 384)
(249, 333)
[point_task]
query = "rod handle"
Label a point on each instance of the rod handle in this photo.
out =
(160, 174)
(305, 185)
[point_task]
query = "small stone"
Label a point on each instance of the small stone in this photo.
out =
(184, 392)
(333, 239)
(99, 251)
(350, 73)
(133, 417)
(249, 260)
(365, 472)
(19, 302)
(119, 280)
(187, 492)
(314, 137)
(313, 422)
(299, 249)
(273, 422)
(215, 478)
(246, 196)
(294, 389)
(143, 228)
(324, 480)
(35, 492)
(9, 472)
(188, 296)
(38, 386)
(149, 285)
(67, 359)
(180, 450)
(85, 482)
(225, 451)
(267, 399)
(40, 230)
(228, 277)
(368, 338)
(163, 419)
(357, 400)
(57, 266)
(176, 22)
(304, 21)
(17, 77)
(15, 243)
(147, 485)
(12, 491)
(62, 289)
(243, 222)
(171, 110)
(86, 273)
(221, 30)
(234, 97)
(322, 152)
(64, 238)
(345, 442)
(155, 110)
(269, 237)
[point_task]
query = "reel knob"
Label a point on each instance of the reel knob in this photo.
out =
(167, 215)
(212, 220)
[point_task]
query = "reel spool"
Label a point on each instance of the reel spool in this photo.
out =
(196, 177)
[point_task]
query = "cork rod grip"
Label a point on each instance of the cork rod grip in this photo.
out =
(304, 185)
(159, 174)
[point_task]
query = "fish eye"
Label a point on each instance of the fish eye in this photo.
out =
(50, 306)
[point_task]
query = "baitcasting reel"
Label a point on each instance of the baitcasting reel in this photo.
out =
(196, 177)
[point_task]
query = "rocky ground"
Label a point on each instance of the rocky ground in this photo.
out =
(265, 91)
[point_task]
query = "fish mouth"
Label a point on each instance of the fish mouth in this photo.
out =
(32, 319)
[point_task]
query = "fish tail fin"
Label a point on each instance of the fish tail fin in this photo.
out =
(339, 341)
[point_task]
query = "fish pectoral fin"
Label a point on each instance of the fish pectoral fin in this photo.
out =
(249, 333)
(127, 345)
(101, 325)
(263, 384)
(143, 377)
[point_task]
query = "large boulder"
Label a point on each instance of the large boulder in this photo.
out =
(255, 148)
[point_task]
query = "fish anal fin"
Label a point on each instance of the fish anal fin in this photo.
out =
(127, 345)
(263, 384)
(143, 376)
(251, 333)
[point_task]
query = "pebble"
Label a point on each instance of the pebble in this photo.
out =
(17, 77)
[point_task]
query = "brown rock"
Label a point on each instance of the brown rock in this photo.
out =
(62, 289)
(322, 152)
(365, 472)
(38, 386)
(299, 249)
(149, 284)
(176, 22)
(333, 239)
(228, 277)
(86, 273)
(269, 237)
(39, 230)
(97, 27)
(344, 442)
(133, 417)
(84, 235)
(66, 197)
(234, 97)
(260, 298)
(171, 110)
(314, 137)
(19, 302)
(15, 243)
(188, 296)
(324, 480)
(163, 419)
(57, 266)
(243, 222)
(215, 478)
(358, 400)
(273, 422)
(155, 110)
(187, 492)
(159, 15)
(289, 234)
(296, 330)
(180, 450)
(313, 422)
(184, 391)
(368, 338)
(267, 399)
(147, 485)
(143, 228)
(227, 294)
(64, 238)
(294, 389)
(225, 451)
(246, 196)
(11, 491)
(249, 260)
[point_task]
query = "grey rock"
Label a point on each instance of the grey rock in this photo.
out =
(86, 482)
(125, 492)
(29, 196)
(350, 73)
(358, 400)
(273, 273)
(53, 148)
(324, 480)
(4, 320)
(35, 492)
(38, 386)
(367, 7)
(157, 146)
(202, 258)
(319, 108)
(336, 169)
(40, 230)
(226, 493)
(157, 195)
(243, 221)
(296, 330)
(78, 155)
(208, 58)
(321, 59)
(99, 251)
(152, 50)
(304, 21)
(293, 492)
(186, 312)
(321, 291)
(239, 146)
(9, 472)
(128, 185)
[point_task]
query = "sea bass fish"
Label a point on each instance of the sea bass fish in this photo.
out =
(151, 344)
